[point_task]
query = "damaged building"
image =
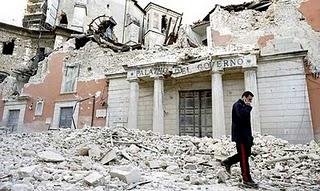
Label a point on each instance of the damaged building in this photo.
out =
(261, 47)
(187, 88)
(47, 25)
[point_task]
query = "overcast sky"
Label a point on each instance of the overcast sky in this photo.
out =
(193, 10)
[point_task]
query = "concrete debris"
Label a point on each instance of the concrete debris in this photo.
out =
(5, 186)
(21, 187)
(179, 163)
(111, 155)
(95, 152)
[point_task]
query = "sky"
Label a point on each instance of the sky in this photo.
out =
(12, 11)
(193, 10)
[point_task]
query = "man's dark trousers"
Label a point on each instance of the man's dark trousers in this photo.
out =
(244, 152)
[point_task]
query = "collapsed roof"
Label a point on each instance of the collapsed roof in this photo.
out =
(260, 5)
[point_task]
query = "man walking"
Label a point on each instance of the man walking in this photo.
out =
(242, 135)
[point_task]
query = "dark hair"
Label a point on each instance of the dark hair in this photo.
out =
(247, 94)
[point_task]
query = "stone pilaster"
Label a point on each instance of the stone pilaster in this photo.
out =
(158, 109)
(218, 119)
(250, 79)
(133, 104)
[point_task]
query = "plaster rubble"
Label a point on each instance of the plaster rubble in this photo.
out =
(275, 163)
(282, 20)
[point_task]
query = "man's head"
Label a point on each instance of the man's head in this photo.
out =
(247, 96)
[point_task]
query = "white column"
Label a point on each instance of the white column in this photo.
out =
(158, 110)
(218, 120)
(133, 104)
(250, 78)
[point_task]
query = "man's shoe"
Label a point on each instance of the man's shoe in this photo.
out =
(228, 167)
(251, 184)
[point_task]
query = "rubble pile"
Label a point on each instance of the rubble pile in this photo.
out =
(281, 17)
(119, 159)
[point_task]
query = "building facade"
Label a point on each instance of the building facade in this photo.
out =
(194, 97)
(57, 97)
(162, 25)
(72, 101)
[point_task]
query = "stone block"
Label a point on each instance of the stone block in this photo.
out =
(111, 155)
(127, 174)
(95, 152)
(93, 178)
(27, 171)
(49, 156)
(84, 151)
(154, 164)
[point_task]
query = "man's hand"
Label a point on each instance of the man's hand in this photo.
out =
(247, 102)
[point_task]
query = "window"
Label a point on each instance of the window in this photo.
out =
(79, 15)
(8, 47)
(65, 119)
(71, 73)
(164, 23)
(148, 21)
(39, 108)
(13, 119)
(63, 19)
(41, 53)
(65, 113)
(155, 23)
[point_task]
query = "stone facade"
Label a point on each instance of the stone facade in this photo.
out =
(282, 107)
(79, 15)
(25, 43)
(161, 22)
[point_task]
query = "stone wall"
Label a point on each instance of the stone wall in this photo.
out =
(22, 52)
(284, 101)
(118, 102)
